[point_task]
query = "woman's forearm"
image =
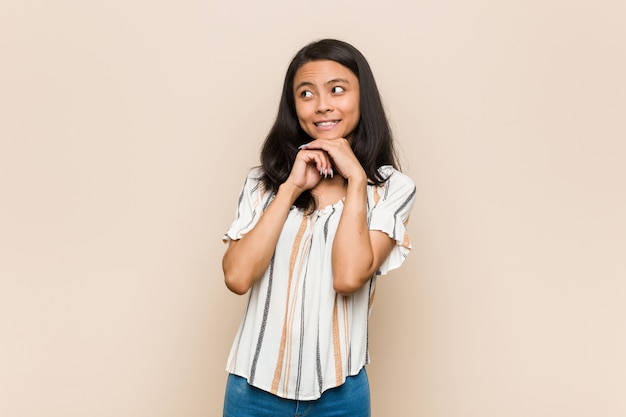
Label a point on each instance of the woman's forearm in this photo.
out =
(353, 257)
(247, 259)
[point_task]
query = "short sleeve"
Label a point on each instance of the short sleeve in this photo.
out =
(390, 208)
(252, 201)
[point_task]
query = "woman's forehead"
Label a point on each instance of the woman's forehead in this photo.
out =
(323, 72)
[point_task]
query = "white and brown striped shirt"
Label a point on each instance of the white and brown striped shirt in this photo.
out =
(298, 337)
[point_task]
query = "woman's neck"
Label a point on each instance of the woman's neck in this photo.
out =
(329, 191)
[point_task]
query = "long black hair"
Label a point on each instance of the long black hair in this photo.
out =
(372, 141)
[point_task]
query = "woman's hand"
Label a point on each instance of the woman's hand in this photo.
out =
(357, 252)
(341, 157)
(309, 168)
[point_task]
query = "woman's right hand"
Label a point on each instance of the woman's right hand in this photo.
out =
(310, 166)
(247, 259)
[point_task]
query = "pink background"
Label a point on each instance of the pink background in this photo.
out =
(127, 128)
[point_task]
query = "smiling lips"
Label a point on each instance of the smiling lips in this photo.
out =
(327, 124)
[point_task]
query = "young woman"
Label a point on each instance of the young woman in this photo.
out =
(323, 215)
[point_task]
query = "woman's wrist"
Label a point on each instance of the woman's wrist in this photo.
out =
(288, 191)
(357, 180)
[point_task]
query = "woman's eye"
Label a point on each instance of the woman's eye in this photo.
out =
(306, 94)
(336, 89)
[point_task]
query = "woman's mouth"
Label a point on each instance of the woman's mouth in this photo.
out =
(326, 124)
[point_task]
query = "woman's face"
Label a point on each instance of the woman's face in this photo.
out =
(327, 100)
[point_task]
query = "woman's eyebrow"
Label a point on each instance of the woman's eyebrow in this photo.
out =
(338, 80)
(333, 81)
(304, 83)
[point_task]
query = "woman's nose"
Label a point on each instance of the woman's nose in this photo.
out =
(324, 105)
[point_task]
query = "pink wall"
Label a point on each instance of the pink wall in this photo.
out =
(126, 131)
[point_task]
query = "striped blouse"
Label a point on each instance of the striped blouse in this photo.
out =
(297, 337)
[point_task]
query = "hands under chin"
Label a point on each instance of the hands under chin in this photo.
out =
(309, 168)
(337, 157)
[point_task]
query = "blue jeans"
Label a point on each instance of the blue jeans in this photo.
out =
(352, 399)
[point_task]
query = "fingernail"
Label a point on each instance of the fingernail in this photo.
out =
(331, 173)
(321, 171)
(325, 173)
(303, 146)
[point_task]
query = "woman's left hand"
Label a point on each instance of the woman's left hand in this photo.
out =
(340, 153)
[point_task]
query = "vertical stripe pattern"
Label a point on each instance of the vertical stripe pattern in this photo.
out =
(298, 338)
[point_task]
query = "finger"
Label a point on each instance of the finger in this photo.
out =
(334, 147)
(320, 158)
(322, 163)
(310, 153)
